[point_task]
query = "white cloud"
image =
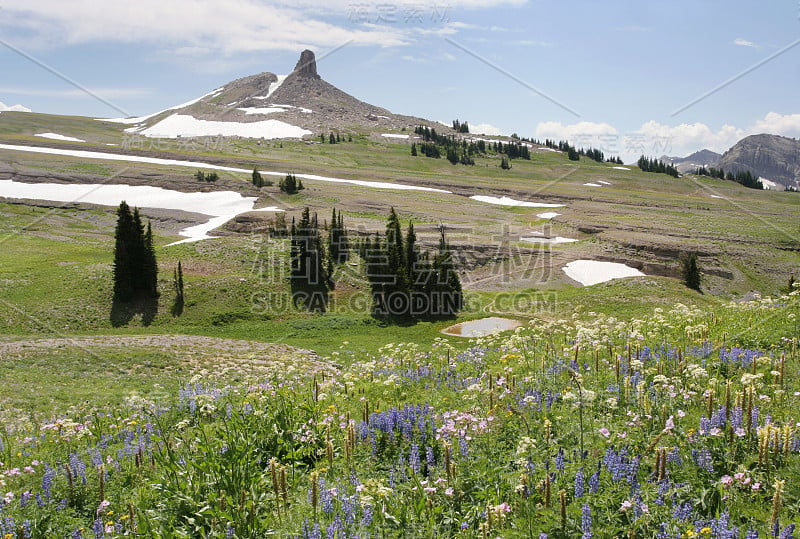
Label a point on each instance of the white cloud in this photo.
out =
(573, 132)
(743, 42)
(532, 43)
(485, 129)
(106, 93)
(237, 26)
(656, 139)
(13, 108)
(777, 124)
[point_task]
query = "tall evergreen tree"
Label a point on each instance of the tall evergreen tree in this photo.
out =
(149, 265)
(123, 270)
(691, 271)
(258, 181)
(177, 283)
(135, 268)
(448, 296)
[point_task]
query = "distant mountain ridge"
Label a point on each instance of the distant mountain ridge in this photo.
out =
(703, 158)
(773, 157)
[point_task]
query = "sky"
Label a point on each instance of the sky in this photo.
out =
(628, 76)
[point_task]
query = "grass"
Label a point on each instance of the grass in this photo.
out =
(652, 423)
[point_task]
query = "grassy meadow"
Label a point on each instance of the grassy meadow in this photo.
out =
(634, 408)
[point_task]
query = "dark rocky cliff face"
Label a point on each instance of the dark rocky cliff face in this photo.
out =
(768, 156)
(307, 65)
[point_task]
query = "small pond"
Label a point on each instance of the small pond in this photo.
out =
(482, 327)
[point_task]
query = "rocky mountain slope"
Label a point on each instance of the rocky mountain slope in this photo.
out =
(772, 157)
(267, 105)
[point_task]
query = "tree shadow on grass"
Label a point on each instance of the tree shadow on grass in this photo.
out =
(122, 312)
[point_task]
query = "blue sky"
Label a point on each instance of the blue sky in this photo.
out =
(615, 72)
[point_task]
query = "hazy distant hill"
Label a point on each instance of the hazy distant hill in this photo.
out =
(689, 163)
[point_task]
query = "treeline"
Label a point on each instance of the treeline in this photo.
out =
(463, 151)
(407, 283)
(135, 266)
(648, 164)
(574, 154)
(456, 150)
(745, 177)
(313, 258)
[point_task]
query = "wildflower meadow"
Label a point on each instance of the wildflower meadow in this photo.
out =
(684, 423)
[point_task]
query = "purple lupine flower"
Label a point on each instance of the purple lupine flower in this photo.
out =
(413, 458)
(98, 529)
(312, 533)
(230, 532)
(349, 509)
(579, 483)
(78, 467)
(788, 532)
(674, 456)
(560, 460)
(751, 534)
(703, 459)
(682, 511)
(586, 521)
(47, 480)
(335, 529)
(429, 457)
(594, 483)
(366, 515)
(95, 456)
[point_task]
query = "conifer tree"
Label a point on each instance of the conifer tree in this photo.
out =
(258, 181)
(149, 265)
(123, 270)
(135, 268)
(691, 271)
(177, 283)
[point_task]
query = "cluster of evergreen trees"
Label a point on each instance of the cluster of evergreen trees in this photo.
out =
(456, 150)
(334, 138)
(407, 283)
(574, 154)
(514, 150)
(745, 177)
(648, 164)
(210, 177)
(460, 127)
(463, 151)
(135, 266)
(290, 184)
(313, 258)
(258, 180)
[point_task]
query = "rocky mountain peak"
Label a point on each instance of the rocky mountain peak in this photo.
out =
(307, 65)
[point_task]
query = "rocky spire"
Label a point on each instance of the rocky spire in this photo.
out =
(307, 65)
